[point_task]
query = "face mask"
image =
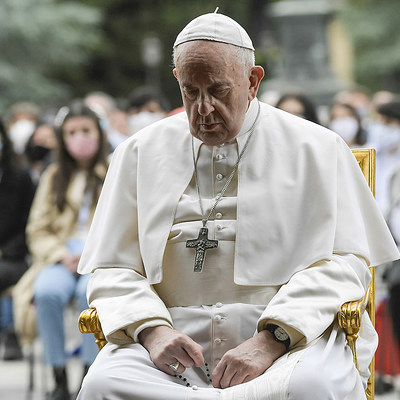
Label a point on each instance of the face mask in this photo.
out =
(20, 132)
(81, 146)
(384, 137)
(36, 153)
(346, 127)
(141, 120)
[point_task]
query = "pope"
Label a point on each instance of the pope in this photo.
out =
(224, 242)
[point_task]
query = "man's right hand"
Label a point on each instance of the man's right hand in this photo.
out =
(166, 346)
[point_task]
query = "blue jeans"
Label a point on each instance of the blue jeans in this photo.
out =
(54, 287)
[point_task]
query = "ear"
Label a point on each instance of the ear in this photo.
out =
(255, 76)
(175, 73)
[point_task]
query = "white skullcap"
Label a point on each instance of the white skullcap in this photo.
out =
(215, 27)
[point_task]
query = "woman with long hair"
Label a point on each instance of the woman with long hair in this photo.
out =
(60, 217)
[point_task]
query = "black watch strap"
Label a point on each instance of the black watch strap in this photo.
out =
(279, 334)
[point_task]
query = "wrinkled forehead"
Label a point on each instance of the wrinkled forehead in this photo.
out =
(211, 62)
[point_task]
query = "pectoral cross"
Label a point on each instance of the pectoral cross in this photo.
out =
(201, 244)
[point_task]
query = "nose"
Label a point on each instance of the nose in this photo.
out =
(205, 107)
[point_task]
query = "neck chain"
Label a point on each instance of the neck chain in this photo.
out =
(202, 243)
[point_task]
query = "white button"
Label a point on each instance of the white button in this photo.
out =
(218, 341)
(194, 387)
(219, 156)
(219, 177)
(218, 215)
(219, 305)
(219, 227)
(217, 317)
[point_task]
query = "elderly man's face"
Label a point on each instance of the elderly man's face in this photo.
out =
(216, 89)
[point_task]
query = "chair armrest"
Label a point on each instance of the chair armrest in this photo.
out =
(89, 322)
(349, 318)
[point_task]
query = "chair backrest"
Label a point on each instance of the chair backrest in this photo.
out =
(366, 161)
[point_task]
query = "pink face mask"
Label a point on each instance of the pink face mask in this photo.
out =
(81, 146)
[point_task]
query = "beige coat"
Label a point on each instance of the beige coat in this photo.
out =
(47, 231)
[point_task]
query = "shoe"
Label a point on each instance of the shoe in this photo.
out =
(59, 393)
(12, 349)
(61, 390)
(382, 386)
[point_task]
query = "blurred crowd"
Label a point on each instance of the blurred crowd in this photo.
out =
(52, 166)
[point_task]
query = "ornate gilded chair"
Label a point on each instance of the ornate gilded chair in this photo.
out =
(349, 315)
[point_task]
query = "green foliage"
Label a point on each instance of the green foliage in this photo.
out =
(374, 29)
(38, 37)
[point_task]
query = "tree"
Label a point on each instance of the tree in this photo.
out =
(374, 29)
(38, 39)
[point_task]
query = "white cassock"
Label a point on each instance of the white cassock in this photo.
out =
(297, 230)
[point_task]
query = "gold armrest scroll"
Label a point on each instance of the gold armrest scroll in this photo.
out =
(89, 322)
(349, 317)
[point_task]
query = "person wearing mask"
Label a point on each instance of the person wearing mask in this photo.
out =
(345, 121)
(225, 240)
(40, 149)
(57, 228)
(16, 194)
(20, 120)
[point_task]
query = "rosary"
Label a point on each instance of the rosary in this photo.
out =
(203, 243)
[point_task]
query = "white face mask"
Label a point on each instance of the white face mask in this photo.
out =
(141, 120)
(19, 133)
(384, 137)
(346, 127)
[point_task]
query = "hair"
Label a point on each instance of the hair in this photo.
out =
(390, 110)
(66, 164)
(244, 56)
(310, 112)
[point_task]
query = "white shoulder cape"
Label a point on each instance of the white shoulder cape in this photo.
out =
(301, 198)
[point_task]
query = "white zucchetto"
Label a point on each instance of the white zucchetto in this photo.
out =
(215, 27)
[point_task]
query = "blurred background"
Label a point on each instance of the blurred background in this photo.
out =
(56, 50)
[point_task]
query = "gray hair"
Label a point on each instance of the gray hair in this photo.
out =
(244, 56)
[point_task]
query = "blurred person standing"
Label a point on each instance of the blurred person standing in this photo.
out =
(298, 104)
(16, 194)
(345, 121)
(57, 227)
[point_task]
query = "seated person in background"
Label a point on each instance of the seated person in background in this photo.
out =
(289, 226)
(57, 227)
(16, 194)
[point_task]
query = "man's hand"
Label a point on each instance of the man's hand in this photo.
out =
(166, 346)
(247, 361)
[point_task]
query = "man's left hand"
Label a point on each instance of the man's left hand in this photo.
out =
(247, 361)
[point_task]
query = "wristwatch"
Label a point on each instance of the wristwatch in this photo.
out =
(279, 334)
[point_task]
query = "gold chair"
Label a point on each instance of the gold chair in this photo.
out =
(349, 315)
